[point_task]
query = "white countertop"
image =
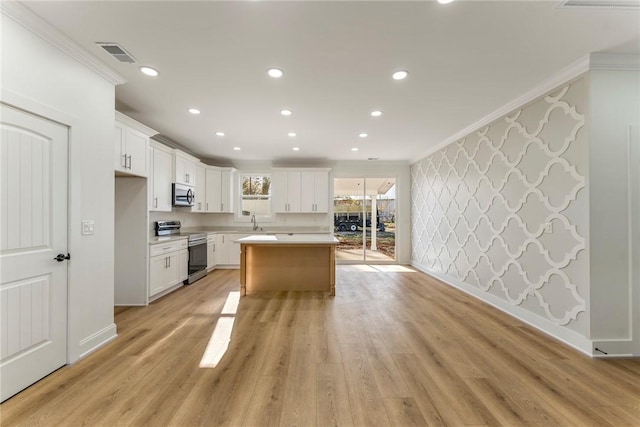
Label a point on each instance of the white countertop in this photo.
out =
(164, 239)
(275, 239)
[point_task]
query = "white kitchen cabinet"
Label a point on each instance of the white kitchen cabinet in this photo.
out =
(184, 168)
(168, 265)
(226, 190)
(228, 251)
(200, 202)
(131, 144)
(160, 182)
(212, 254)
(219, 189)
(212, 197)
(314, 193)
(286, 192)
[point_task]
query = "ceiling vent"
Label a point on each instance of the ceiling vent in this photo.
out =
(117, 51)
(600, 4)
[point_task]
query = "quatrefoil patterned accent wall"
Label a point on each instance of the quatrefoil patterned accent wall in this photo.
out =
(481, 208)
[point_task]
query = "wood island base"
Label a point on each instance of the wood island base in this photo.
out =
(294, 267)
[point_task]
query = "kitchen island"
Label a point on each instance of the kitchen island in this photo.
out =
(298, 262)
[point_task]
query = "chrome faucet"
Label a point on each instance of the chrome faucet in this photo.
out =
(255, 222)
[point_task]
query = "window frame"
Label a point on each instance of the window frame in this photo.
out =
(270, 217)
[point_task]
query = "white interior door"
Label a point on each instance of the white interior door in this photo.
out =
(33, 231)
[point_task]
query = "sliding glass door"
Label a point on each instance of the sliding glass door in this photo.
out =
(364, 219)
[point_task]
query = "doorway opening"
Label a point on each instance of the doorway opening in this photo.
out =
(364, 220)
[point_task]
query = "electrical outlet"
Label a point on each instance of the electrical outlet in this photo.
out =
(87, 227)
(548, 227)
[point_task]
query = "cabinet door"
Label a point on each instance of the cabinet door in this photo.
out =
(286, 192)
(159, 274)
(294, 189)
(211, 255)
(185, 171)
(234, 248)
(226, 191)
(322, 192)
(136, 152)
(161, 181)
(279, 193)
(182, 265)
(212, 190)
(222, 251)
(200, 190)
(119, 147)
(308, 192)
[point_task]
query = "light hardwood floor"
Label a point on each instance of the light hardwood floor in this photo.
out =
(392, 348)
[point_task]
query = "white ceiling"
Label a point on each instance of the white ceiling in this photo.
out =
(465, 59)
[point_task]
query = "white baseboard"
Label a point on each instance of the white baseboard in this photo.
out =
(560, 333)
(95, 341)
(613, 348)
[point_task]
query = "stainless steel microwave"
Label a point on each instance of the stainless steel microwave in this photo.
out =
(182, 195)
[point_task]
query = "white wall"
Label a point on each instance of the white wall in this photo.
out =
(42, 79)
(480, 206)
(614, 107)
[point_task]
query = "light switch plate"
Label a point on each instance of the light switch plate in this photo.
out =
(87, 227)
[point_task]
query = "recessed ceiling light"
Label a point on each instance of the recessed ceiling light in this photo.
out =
(444, 1)
(236, 148)
(285, 112)
(291, 134)
(194, 111)
(354, 149)
(400, 75)
(376, 113)
(296, 148)
(152, 72)
(276, 73)
(363, 135)
(220, 133)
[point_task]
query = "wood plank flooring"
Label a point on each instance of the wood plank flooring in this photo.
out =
(391, 349)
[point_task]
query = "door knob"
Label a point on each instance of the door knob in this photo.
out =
(62, 257)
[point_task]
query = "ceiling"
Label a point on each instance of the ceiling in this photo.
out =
(465, 60)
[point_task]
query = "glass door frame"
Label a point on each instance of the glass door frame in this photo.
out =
(365, 233)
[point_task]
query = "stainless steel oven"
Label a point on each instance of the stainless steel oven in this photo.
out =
(197, 257)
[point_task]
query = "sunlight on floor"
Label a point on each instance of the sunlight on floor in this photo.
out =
(378, 268)
(231, 305)
(221, 336)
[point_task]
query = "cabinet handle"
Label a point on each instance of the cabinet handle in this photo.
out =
(169, 258)
(124, 161)
(129, 157)
(155, 202)
(221, 207)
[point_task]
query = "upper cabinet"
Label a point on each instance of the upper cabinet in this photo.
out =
(184, 168)
(160, 178)
(200, 200)
(131, 144)
(286, 192)
(297, 191)
(315, 192)
(219, 189)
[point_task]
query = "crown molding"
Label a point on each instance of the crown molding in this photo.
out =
(614, 62)
(591, 62)
(32, 22)
(124, 119)
(564, 75)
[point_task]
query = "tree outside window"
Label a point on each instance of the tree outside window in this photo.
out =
(256, 194)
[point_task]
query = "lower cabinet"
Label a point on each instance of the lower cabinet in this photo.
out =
(168, 266)
(212, 254)
(228, 251)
